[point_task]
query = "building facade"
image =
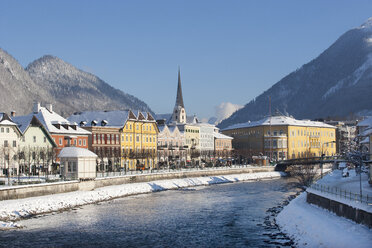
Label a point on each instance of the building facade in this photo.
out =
(222, 146)
(10, 135)
(283, 137)
(171, 149)
(64, 132)
(36, 147)
(206, 141)
(124, 140)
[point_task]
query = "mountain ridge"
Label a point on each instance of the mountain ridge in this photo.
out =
(322, 87)
(49, 79)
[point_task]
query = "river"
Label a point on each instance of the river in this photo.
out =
(224, 215)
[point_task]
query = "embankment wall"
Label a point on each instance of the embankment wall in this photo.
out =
(18, 192)
(341, 209)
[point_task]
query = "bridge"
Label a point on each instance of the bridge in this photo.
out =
(283, 164)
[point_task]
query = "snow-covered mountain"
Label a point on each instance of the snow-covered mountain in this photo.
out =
(51, 80)
(79, 90)
(337, 83)
(17, 89)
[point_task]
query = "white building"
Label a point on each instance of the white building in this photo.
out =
(9, 141)
(206, 139)
(78, 163)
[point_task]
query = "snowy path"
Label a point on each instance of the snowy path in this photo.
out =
(311, 226)
(12, 210)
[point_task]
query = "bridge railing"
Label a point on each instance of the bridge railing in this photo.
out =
(343, 193)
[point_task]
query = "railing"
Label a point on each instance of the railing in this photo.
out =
(169, 170)
(342, 193)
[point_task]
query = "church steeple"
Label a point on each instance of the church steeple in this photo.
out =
(179, 112)
(179, 99)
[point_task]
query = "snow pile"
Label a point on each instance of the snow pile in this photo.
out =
(11, 210)
(8, 225)
(311, 226)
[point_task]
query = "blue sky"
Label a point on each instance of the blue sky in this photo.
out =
(228, 51)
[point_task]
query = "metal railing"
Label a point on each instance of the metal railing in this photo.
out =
(343, 193)
(169, 170)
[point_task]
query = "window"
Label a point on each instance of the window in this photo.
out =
(5, 143)
(7, 129)
(94, 138)
(137, 127)
(71, 167)
(84, 142)
(2, 129)
(14, 143)
(137, 138)
(34, 139)
(45, 139)
(79, 142)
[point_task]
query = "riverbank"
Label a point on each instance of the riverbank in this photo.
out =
(32, 190)
(311, 226)
(13, 210)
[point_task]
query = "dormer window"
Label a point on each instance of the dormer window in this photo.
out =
(83, 123)
(94, 123)
(104, 123)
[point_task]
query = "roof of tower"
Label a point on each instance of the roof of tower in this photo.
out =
(179, 99)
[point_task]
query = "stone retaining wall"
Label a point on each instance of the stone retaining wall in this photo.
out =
(341, 209)
(25, 191)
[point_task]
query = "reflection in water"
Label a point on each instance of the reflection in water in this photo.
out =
(226, 215)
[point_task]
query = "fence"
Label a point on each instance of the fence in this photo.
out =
(343, 194)
(168, 170)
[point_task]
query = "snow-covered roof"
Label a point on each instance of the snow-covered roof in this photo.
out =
(54, 123)
(76, 152)
(222, 136)
(365, 140)
(367, 122)
(5, 120)
(116, 118)
(280, 121)
(165, 117)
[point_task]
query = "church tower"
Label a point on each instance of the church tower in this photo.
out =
(179, 112)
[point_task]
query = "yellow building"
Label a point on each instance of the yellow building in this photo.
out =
(137, 146)
(139, 141)
(283, 137)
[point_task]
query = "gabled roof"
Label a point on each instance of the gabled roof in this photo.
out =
(6, 120)
(280, 120)
(367, 122)
(56, 124)
(24, 122)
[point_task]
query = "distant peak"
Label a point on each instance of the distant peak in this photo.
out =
(367, 24)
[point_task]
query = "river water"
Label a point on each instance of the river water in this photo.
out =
(225, 215)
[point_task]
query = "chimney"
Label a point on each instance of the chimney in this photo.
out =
(49, 107)
(36, 108)
(12, 113)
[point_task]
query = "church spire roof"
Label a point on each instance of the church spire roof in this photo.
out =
(179, 99)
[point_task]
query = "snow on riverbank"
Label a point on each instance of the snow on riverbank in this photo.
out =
(11, 210)
(312, 226)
